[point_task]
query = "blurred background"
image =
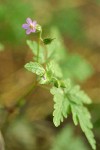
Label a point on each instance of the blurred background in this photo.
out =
(26, 119)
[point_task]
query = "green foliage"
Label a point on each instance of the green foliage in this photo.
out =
(72, 95)
(71, 99)
(61, 106)
(66, 140)
(82, 115)
(48, 75)
(51, 70)
(47, 52)
(81, 70)
(57, 51)
(35, 68)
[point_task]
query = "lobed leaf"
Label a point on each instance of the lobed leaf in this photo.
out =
(61, 106)
(79, 96)
(72, 98)
(35, 67)
(83, 117)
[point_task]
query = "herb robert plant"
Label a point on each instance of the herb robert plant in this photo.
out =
(68, 98)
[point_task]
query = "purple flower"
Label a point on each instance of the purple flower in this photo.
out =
(30, 26)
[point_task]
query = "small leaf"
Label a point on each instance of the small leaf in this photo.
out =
(35, 68)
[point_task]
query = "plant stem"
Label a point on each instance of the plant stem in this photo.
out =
(38, 48)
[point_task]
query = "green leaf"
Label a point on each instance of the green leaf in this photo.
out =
(81, 70)
(61, 106)
(52, 73)
(83, 117)
(72, 99)
(74, 93)
(78, 96)
(35, 67)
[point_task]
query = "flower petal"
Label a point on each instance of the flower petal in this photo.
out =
(33, 30)
(34, 23)
(25, 26)
(29, 21)
(28, 31)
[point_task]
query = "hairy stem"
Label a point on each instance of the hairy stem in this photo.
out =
(38, 48)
